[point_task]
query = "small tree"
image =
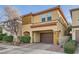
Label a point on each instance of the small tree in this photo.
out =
(14, 23)
(67, 31)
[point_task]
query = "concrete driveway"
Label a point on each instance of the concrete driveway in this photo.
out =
(36, 48)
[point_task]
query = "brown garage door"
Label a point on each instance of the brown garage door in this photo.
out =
(77, 36)
(46, 37)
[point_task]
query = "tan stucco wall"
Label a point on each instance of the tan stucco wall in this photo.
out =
(55, 37)
(26, 28)
(29, 29)
(74, 33)
(45, 28)
(75, 22)
(62, 19)
(61, 28)
(37, 18)
(75, 17)
(35, 32)
(35, 36)
(26, 20)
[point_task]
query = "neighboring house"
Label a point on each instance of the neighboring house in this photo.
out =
(10, 27)
(75, 24)
(5, 28)
(45, 26)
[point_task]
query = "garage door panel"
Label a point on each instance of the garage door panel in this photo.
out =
(46, 37)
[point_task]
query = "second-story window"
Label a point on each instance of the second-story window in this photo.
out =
(78, 21)
(49, 18)
(43, 19)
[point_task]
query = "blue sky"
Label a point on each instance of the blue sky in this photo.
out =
(25, 9)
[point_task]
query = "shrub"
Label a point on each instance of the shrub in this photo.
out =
(70, 38)
(70, 47)
(8, 38)
(0, 29)
(2, 35)
(74, 42)
(25, 39)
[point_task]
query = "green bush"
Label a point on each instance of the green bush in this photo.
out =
(25, 39)
(0, 29)
(8, 38)
(74, 42)
(70, 38)
(70, 47)
(2, 35)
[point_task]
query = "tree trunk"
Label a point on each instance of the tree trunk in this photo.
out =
(16, 41)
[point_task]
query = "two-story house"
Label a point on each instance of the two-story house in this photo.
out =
(45, 26)
(75, 24)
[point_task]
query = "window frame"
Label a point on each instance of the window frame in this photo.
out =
(49, 18)
(49, 15)
(41, 17)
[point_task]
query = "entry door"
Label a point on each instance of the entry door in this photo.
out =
(46, 37)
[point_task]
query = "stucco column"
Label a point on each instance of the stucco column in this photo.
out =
(31, 37)
(73, 34)
(36, 37)
(55, 39)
